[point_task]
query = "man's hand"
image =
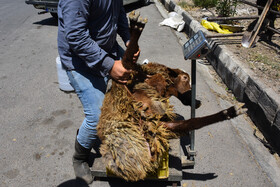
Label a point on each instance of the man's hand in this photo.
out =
(119, 73)
(136, 56)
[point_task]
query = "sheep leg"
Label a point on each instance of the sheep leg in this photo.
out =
(137, 25)
(183, 127)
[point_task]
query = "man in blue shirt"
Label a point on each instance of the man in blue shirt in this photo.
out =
(87, 46)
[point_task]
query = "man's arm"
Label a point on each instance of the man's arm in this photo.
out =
(75, 16)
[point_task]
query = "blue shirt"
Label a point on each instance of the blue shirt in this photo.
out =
(87, 31)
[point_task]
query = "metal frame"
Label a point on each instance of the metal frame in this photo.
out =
(199, 51)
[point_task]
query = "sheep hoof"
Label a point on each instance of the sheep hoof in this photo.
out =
(239, 110)
(137, 22)
(234, 111)
(133, 16)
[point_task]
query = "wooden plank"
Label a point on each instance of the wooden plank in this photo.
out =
(98, 169)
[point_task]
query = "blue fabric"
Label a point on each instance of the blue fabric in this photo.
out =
(87, 31)
(90, 90)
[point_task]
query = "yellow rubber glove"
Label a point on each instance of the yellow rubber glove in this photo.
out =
(214, 27)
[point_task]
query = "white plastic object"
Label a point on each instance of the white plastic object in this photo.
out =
(63, 80)
(174, 20)
(146, 61)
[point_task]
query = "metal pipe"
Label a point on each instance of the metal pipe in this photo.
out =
(193, 84)
(223, 35)
(43, 12)
(273, 30)
(231, 18)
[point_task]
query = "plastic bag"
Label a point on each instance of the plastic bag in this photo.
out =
(175, 21)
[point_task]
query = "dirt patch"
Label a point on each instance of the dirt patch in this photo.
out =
(263, 59)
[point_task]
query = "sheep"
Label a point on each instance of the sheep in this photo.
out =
(137, 119)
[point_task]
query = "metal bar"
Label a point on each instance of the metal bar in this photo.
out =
(53, 3)
(231, 18)
(43, 12)
(223, 35)
(259, 7)
(273, 30)
(193, 84)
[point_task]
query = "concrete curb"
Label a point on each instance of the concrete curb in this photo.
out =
(262, 102)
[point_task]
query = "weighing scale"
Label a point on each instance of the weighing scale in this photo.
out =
(196, 48)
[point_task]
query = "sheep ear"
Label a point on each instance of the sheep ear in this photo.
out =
(174, 72)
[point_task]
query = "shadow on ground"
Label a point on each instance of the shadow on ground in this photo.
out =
(133, 6)
(116, 182)
(51, 21)
(74, 183)
(199, 176)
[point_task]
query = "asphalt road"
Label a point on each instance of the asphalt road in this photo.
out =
(38, 121)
